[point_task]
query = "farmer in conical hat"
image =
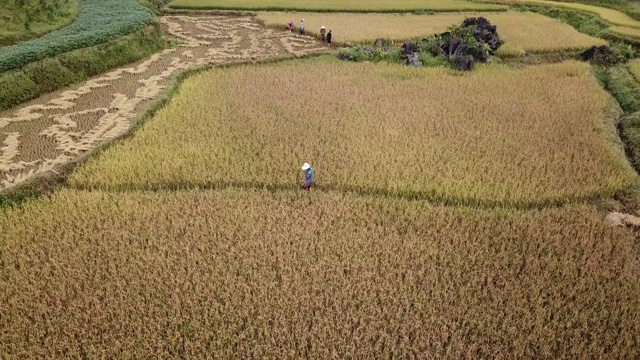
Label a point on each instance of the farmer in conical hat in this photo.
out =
(302, 27)
(309, 178)
(323, 31)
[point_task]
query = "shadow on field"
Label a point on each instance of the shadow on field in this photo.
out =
(431, 196)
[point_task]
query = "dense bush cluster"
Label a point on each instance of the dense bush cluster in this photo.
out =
(98, 21)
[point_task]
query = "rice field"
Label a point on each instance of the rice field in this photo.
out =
(612, 16)
(258, 274)
(625, 31)
(521, 31)
(337, 5)
(498, 136)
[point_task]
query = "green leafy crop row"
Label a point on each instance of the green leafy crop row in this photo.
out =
(98, 21)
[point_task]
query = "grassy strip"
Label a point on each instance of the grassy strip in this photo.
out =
(584, 22)
(43, 17)
(38, 78)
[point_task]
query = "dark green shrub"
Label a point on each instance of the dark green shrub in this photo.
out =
(16, 87)
(49, 74)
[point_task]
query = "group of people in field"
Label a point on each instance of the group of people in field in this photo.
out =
(324, 36)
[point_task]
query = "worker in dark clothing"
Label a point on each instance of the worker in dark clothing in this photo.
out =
(329, 38)
(309, 177)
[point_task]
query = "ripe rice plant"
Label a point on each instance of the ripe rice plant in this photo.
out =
(521, 31)
(625, 31)
(336, 5)
(525, 137)
(259, 274)
(634, 67)
(610, 15)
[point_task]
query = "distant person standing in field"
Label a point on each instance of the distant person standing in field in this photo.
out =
(309, 178)
(302, 27)
(323, 31)
(329, 38)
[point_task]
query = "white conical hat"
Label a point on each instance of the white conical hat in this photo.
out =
(305, 166)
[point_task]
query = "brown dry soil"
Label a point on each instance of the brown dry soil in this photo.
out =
(57, 128)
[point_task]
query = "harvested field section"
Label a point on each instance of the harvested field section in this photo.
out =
(520, 31)
(57, 128)
(525, 137)
(258, 274)
(336, 5)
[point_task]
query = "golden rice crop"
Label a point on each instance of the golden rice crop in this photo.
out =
(610, 15)
(625, 31)
(520, 31)
(530, 136)
(634, 66)
(258, 274)
(334, 5)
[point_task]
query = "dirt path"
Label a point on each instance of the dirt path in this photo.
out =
(57, 128)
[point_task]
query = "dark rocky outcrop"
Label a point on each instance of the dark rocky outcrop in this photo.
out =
(598, 54)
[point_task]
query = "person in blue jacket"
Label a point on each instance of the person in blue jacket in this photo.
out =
(309, 178)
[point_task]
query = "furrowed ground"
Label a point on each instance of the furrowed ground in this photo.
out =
(251, 274)
(336, 5)
(520, 31)
(529, 137)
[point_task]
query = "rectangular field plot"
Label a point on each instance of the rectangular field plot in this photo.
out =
(537, 135)
(255, 274)
(521, 31)
(337, 5)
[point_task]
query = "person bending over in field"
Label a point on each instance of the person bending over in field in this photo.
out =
(302, 27)
(309, 179)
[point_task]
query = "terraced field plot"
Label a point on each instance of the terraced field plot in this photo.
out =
(241, 273)
(57, 128)
(334, 5)
(540, 135)
(521, 31)
(625, 31)
(610, 15)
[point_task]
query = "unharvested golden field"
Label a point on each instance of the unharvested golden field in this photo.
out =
(497, 136)
(610, 15)
(254, 274)
(334, 5)
(521, 31)
(625, 31)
